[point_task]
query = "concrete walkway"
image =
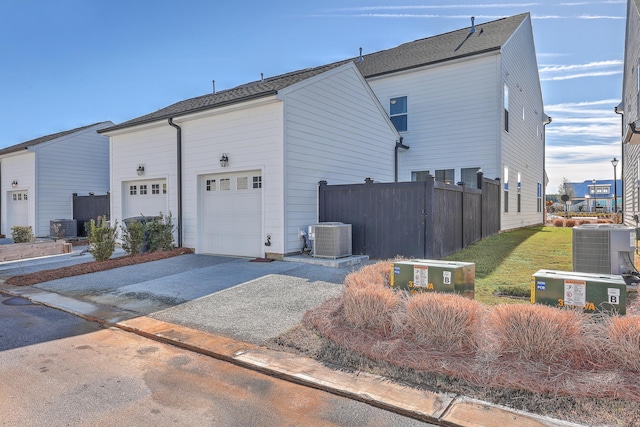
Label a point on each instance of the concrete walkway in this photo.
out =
(227, 308)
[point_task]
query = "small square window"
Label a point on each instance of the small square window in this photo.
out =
(257, 181)
(133, 190)
(143, 189)
(25, 196)
(210, 185)
(225, 184)
(242, 183)
(15, 197)
(164, 188)
(155, 188)
(19, 196)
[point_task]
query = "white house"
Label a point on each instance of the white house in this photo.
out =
(239, 169)
(463, 101)
(469, 100)
(629, 109)
(38, 177)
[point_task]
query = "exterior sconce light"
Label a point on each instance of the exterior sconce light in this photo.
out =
(14, 184)
(140, 170)
(224, 160)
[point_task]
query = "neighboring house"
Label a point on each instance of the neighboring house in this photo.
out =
(590, 196)
(461, 101)
(239, 169)
(38, 177)
(470, 100)
(629, 108)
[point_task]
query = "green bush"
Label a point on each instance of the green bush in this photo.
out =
(160, 233)
(102, 239)
(22, 234)
(133, 237)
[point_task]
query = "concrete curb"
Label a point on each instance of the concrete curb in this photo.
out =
(437, 408)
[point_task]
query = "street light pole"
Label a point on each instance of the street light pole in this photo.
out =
(614, 162)
(595, 196)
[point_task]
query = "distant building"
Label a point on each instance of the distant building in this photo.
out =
(590, 196)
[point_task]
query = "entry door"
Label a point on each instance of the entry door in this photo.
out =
(232, 214)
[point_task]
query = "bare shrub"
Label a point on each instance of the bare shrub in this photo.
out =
(374, 274)
(604, 221)
(570, 223)
(370, 306)
(449, 322)
(558, 222)
(622, 342)
(539, 333)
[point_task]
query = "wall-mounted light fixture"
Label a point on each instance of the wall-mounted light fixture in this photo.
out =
(140, 170)
(224, 160)
(14, 184)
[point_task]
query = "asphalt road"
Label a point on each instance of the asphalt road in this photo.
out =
(68, 371)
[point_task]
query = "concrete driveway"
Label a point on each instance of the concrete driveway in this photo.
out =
(234, 297)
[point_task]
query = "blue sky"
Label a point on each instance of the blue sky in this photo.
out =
(69, 63)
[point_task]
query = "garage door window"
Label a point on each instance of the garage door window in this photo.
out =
(133, 190)
(243, 183)
(143, 189)
(225, 184)
(211, 185)
(257, 181)
(155, 188)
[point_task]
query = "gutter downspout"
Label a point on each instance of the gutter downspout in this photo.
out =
(619, 110)
(399, 145)
(179, 179)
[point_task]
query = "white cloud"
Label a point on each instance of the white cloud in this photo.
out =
(576, 71)
(441, 6)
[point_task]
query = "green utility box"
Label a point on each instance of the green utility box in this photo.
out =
(424, 275)
(594, 293)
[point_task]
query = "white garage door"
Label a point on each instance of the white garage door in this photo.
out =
(18, 208)
(145, 197)
(231, 212)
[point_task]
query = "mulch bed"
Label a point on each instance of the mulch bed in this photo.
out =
(92, 267)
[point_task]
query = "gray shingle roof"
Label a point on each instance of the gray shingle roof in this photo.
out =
(487, 37)
(46, 138)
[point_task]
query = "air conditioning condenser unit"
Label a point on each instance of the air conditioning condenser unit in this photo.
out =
(603, 248)
(331, 240)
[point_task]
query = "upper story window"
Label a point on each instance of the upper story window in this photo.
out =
(445, 175)
(398, 112)
(505, 102)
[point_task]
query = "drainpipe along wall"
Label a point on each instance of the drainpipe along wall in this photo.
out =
(399, 145)
(179, 180)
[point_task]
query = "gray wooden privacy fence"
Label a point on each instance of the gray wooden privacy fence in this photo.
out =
(418, 219)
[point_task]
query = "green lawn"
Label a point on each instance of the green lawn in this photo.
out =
(505, 262)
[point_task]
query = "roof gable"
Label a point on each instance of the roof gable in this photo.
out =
(41, 140)
(487, 37)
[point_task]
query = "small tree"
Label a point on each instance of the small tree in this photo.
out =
(22, 234)
(102, 239)
(161, 233)
(133, 237)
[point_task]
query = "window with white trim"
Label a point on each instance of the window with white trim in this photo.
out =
(519, 204)
(210, 185)
(225, 184)
(133, 190)
(539, 197)
(155, 188)
(506, 189)
(469, 176)
(257, 181)
(420, 175)
(505, 102)
(143, 189)
(398, 113)
(445, 175)
(242, 183)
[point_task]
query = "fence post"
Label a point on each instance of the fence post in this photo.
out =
(427, 213)
(322, 188)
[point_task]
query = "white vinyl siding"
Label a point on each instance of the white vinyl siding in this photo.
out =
(76, 163)
(522, 148)
(453, 113)
(336, 131)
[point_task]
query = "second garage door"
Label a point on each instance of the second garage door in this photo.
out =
(231, 209)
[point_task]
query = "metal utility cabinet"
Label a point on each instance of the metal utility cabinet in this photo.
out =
(425, 275)
(593, 293)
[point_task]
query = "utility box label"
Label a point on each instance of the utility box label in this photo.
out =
(575, 292)
(614, 295)
(420, 276)
(446, 277)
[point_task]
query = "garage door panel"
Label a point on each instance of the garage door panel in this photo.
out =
(231, 214)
